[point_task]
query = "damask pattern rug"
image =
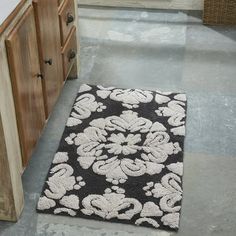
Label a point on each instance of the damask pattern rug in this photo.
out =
(120, 158)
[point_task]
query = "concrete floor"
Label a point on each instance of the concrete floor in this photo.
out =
(168, 50)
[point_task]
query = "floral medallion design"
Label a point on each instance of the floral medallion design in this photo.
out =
(115, 154)
(120, 158)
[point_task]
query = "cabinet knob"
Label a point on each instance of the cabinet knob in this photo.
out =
(71, 54)
(69, 19)
(49, 61)
(39, 76)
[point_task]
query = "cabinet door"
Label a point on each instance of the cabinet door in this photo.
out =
(50, 49)
(26, 82)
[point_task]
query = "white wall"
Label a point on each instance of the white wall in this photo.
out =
(158, 4)
(6, 8)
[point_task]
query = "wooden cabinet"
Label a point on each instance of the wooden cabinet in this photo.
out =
(32, 75)
(48, 29)
(26, 79)
(39, 62)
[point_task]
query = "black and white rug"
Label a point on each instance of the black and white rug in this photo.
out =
(120, 158)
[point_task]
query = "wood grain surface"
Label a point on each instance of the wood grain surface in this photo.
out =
(27, 85)
(7, 208)
(48, 31)
(70, 46)
(67, 9)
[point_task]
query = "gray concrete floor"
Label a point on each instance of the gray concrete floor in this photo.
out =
(169, 50)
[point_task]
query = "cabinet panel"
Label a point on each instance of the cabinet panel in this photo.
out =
(25, 73)
(69, 52)
(48, 30)
(59, 2)
(67, 17)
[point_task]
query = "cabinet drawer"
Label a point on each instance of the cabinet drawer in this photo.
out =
(67, 18)
(69, 52)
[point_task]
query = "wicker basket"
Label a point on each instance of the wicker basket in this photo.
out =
(219, 12)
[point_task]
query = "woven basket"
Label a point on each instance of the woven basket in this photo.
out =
(219, 12)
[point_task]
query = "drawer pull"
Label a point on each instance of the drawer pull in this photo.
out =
(71, 54)
(49, 61)
(70, 19)
(39, 76)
